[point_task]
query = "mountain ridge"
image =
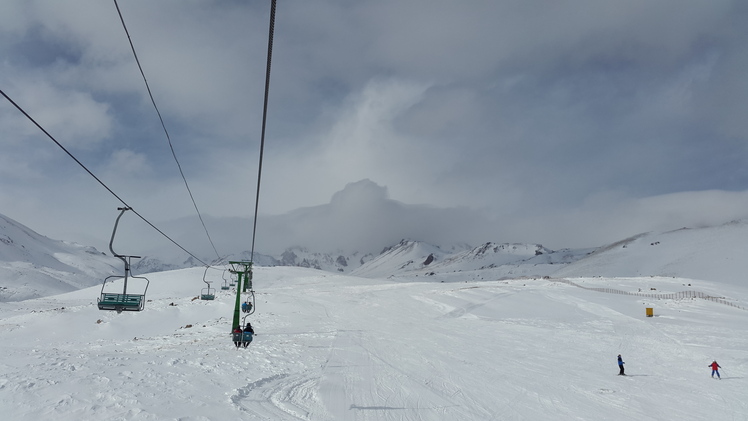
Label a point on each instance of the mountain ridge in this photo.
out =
(32, 265)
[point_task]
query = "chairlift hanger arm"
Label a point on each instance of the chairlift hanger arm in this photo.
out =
(114, 232)
(205, 273)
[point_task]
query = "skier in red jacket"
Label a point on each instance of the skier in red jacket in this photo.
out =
(715, 369)
(236, 335)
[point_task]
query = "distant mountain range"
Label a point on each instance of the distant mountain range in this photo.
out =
(32, 265)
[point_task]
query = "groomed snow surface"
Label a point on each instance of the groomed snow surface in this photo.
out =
(336, 347)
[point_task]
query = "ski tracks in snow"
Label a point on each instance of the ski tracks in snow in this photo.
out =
(279, 397)
(364, 379)
(364, 372)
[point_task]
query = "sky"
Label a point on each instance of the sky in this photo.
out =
(571, 124)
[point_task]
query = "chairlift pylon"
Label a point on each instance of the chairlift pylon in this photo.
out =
(243, 271)
(124, 301)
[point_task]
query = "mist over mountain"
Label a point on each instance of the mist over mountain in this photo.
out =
(360, 218)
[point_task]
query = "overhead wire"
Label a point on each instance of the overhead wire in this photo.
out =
(94, 176)
(168, 138)
(264, 121)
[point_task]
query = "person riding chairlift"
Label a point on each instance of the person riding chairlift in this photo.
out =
(237, 333)
(247, 329)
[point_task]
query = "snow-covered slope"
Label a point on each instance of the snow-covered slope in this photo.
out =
(711, 253)
(336, 347)
(32, 265)
(426, 335)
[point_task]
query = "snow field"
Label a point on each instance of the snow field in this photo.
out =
(335, 347)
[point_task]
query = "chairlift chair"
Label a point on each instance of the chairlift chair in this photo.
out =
(242, 338)
(232, 280)
(124, 301)
(207, 293)
(248, 306)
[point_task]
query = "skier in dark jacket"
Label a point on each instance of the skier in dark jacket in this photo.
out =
(620, 366)
(715, 369)
(246, 339)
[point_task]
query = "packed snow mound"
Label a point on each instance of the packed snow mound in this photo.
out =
(711, 253)
(32, 265)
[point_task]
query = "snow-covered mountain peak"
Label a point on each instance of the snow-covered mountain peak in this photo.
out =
(407, 255)
(341, 262)
(361, 193)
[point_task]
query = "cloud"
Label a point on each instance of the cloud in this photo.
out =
(128, 164)
(75, 118)
(362, 217)
(536, 117)
(603, 219)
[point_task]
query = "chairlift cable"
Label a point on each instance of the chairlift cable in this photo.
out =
(168, 138)
(94, 176)
(243, 269)
(264, 121)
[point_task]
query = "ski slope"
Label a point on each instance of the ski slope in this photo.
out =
(337, 347)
